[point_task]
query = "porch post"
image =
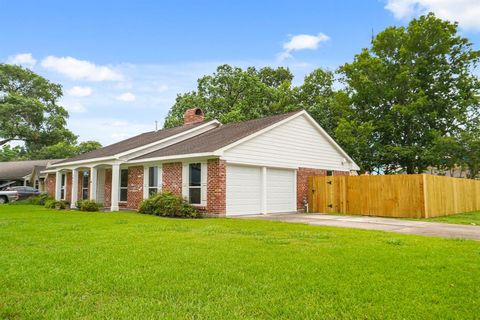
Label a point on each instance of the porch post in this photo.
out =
(115, 186)
(58, 185)
(93, 183)
(74, 188)
(145, 181)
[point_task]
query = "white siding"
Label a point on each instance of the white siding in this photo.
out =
(296, 143)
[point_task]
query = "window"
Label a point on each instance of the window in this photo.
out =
(153, 187)
(123, 184)
(62, 187)
(85, 181)
(329, 173)
(194, 183)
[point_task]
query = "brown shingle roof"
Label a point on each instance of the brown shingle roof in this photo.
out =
(132, 143)
(16, 170)
(217, 138)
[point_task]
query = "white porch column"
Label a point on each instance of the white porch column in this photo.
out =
(74, 189)
(93, 184)
(145, 182)
(115, 186)
(58, 185)
(264, 190)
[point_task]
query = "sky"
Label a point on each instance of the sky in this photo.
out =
(122, 63)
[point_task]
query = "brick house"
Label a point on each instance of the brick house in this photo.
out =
(251, 167)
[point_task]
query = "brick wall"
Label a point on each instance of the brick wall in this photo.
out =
(341, 173)
(172, 177)
(216, 186)
(68, 185)
(302, 183)
(108, 187)
(135, 187)
(50, 182)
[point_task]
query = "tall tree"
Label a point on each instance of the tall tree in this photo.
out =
(29, 109)
(413, 85)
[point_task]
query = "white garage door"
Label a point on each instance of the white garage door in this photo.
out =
(280, 190)
(245, 190)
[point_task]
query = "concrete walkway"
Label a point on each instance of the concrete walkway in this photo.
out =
(433, 229)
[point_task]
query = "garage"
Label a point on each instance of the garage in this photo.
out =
(253, 190)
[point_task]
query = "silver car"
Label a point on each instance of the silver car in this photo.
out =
(8, 196)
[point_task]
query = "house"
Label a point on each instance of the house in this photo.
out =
(251, 167)
(23, 173)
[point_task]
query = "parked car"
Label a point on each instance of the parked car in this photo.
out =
(24, 192)
(8, 196)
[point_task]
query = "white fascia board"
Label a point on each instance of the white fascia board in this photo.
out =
(79, 162)
(177, 157)
(253, 135)
(184, 133)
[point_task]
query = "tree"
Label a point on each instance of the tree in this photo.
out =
(8, 153)
(64, 150)
(413, 85)
(232, 94)
(29, 109)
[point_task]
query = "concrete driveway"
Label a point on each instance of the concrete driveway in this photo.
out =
(432, 229)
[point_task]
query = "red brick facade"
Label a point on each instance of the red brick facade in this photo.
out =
(108, 188)
(68, 187)
(172, 177)
(193, 115)
(50, 182)
(216, 186)
(135, 187)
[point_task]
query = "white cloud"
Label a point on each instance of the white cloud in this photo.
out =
(78, 91)
(22, 59)
(126, 97)
(465, 12)
(80, 69)
(301, 42)
(74, 106)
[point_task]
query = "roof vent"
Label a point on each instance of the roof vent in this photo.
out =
(193, 115)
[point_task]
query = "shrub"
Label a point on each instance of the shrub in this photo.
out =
(54, 204)
(166, 204)
(40, 199)
(88, 205)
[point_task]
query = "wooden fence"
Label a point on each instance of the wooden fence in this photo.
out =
(408, 196)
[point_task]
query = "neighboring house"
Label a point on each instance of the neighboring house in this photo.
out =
(457, 172)
(24, 172)
(257, 166)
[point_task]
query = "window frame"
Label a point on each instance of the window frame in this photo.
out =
(153, 183)
(63, 182)
(196, 187)
(121, 187)
(85, 194)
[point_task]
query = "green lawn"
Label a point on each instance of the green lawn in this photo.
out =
(65, 265)
(471, 218)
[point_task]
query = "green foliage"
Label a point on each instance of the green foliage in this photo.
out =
(64, 149)
(29, 109)
(166, 204)
(56, 204)
(414, 85)
(88, 205)
(40, 200)
(9, 153)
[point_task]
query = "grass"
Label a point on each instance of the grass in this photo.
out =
(471, 218)
(62, 265)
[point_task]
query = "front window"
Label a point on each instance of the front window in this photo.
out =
(123, 184)
(152, 180)
(194, 183)
(85, 185)
(62, 187)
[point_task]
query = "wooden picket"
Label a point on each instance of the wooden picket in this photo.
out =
(409, 196)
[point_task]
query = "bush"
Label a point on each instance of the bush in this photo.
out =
(54, 204)
(166, 204)
(88, 205)
(40, 199)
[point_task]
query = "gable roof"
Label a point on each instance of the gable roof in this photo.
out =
(132, 143)
(219, 137)
(16, 170)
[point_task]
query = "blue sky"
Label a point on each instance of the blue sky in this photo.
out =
(122, 63)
